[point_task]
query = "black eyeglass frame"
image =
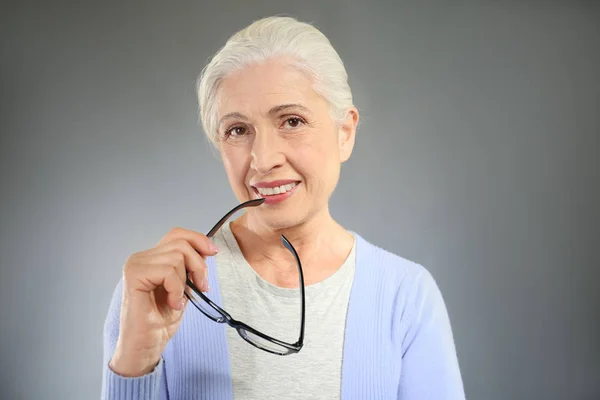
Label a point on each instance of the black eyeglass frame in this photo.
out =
(239, 326)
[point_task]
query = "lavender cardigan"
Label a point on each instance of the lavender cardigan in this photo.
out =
(398, 342)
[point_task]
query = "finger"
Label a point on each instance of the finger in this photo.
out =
(194, 263)
(198, 241)
(200, 277)
(174, 258)
(175, 288)
(148, 278)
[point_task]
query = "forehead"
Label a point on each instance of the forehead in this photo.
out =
(257, 88)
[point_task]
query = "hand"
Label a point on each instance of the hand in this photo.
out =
(154, 300)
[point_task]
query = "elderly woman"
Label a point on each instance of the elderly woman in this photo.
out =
(281, 301)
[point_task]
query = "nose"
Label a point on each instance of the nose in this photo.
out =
(266, 152)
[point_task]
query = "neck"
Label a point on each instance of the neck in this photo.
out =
(318, 238)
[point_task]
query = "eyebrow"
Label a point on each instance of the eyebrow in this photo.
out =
(272, 111)
(283, 107)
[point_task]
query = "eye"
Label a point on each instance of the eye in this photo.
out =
(294, 122)
(235, 131)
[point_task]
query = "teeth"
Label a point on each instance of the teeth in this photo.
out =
(276, 190)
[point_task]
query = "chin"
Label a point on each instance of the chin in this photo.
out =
(280, 223)
(280, 219)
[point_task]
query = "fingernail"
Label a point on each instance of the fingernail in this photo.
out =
(213, 247)
(181, 304)
(205, 286)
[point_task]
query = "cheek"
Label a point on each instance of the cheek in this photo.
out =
(317, 160)
(326, 161)
(324, 152)
(235, 165)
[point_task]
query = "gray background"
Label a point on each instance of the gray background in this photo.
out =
(477, 156)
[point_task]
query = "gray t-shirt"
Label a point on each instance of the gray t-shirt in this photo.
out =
(314, 372)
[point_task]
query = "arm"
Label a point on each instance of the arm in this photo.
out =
(430, 368)
(115, 387)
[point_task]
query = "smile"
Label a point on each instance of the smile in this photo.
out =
(276, 190)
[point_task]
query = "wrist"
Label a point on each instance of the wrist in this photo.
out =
(132, 365)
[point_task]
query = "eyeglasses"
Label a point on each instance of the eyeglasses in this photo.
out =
(249, 334)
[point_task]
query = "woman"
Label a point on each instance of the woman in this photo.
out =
(327, 314)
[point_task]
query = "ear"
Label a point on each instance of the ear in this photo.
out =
(347, 134)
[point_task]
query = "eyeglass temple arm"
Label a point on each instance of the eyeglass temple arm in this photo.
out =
(249, 203)
(218, 225)
(291, 248)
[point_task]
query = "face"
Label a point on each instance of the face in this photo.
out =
(278, 141)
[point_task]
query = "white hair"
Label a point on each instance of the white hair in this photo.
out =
(270, 38)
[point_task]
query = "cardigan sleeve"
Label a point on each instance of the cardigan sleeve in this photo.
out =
(151, 386)
(430, 368)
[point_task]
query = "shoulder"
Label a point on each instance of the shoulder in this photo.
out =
(411, 307)
(392, 270)
(406, 289)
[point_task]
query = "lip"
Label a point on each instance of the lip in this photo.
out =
(276, 198)
(272, 184)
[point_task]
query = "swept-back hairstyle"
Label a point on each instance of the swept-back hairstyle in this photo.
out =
(273, 37)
